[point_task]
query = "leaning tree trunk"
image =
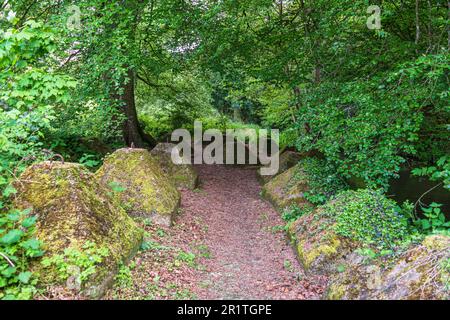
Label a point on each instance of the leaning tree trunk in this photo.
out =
(133, 134)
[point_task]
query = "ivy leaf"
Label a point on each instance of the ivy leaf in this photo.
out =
(9, 272)
(33, 244)
(24, 277)
(11, 237)
(29, 222)
(9, 190)
(425, 224)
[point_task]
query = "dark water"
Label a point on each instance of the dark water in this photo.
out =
(409, 187)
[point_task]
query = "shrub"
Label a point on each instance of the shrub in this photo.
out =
(17, 248)
(323, 180)
(368, 216)
(80, 262)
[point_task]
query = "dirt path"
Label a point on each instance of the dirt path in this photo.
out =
(226, 243)
(251, 258)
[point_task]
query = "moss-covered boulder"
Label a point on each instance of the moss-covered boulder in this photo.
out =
(72, 209)
(136, 178)
(287, 189)
(183, 175)
(319, 248)
(421, 272)
(353, 219)
(287, 160)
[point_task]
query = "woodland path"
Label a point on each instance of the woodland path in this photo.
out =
(251, 257)
(241, 250)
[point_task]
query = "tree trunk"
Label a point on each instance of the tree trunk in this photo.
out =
(133, 134)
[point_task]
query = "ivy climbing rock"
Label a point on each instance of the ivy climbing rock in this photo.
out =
(287, 160)
(421, 272)
(287, 189)
(72, 209)
(183, 175)
(351, 220)
(320, 249)
(136, 178)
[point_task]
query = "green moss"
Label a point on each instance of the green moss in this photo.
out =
(325, 250)
(310, 181)
(183, 175)
(336, 292)
(149, 192)
(287, 160)
(73, 208)
(284, 192)
(437, 242)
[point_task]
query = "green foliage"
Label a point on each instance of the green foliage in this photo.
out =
(187, 257)
(90, 161)
(434, 220)
(366, 99)
(293, 213)
(29, 94)
(124, 277)
(323, 180)
(368, 216)
(367, 127)
(18, 247)
(439, 172)
(173, 101)
(84, 259)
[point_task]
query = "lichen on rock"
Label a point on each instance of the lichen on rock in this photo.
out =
(319, 248)
(72, 209)
(421, 272)
(287, 189)
(147, 192)
(183, 175)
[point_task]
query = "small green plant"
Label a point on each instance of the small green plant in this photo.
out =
(187, 257)
(204, 251)
(152, 245)
(288, 265)
(433, 221)
(367, 252)
(116, 187)
(147, 222)
(161, 233)
(89, 161)
(18, 247)
(368, 216)
(295, 212)
(439, 172)
(124, 277)
(277, 228)
(85, 259)
(341, 268)
(184, 294)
